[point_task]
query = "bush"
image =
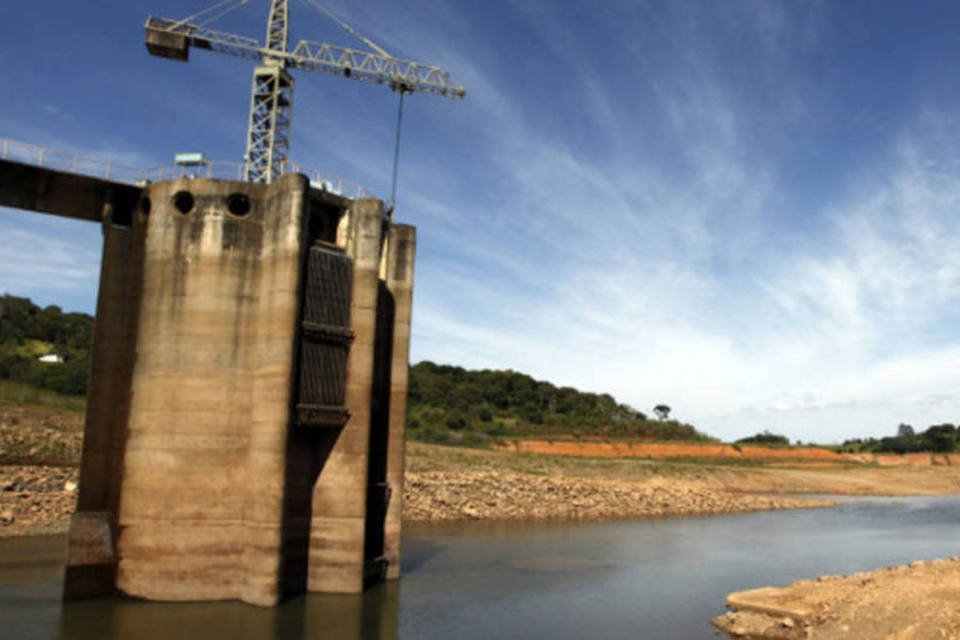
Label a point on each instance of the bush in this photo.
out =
(69, 378)
(456, 421)
(16, 367)
(766, 438)
(496, 430)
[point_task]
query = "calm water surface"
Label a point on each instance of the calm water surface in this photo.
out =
(656, 579)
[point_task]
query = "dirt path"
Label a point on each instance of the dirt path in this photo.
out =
(915, 602)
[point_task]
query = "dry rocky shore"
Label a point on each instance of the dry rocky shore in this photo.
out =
(914, 602)
(501, 495)
(36, 500)
(39, 453)
(40, 449)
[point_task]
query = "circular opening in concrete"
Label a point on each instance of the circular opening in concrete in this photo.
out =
(183, 201)
(145, 205)
(238, 204)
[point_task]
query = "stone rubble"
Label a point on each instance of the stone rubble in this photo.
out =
(432, 496)
(36, 499)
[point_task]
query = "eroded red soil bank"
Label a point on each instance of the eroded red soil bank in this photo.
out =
(666, 450)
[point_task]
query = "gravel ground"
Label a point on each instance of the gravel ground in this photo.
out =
(493, 495)
(36, 499)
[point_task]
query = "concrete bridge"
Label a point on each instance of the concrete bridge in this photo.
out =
(247, 403)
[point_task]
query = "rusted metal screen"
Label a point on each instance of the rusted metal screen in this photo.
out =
(325, 338)
(327, 294)
(324, 366)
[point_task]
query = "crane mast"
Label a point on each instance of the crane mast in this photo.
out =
(271, 101)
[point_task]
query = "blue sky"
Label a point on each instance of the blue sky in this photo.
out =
(747, 210)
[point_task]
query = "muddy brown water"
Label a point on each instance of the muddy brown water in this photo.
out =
(655, 578)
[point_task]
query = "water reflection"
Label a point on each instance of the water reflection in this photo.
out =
(31, 580)
(372, 616)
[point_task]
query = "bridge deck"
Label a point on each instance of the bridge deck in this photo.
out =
(61, 193)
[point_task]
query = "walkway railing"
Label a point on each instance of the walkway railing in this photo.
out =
(84, 165)
(68, 161)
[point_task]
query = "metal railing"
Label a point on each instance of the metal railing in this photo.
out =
(84, 165)
(68, 161)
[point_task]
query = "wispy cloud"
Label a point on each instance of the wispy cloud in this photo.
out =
(54, 260)
(681, 282)
(724, 207)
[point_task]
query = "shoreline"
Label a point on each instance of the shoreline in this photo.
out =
(39, 500)
(447, 484)
(445, 496)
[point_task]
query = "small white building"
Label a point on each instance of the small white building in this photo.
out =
(51, 358)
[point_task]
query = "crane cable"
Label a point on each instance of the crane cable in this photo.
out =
(367, 41)
(236, 4)
(223, 13)
(398, 88)
(396, 155)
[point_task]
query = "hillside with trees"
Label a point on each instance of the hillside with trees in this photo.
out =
(28, 332)
(456, 405)
(447, 404)
(940, 438)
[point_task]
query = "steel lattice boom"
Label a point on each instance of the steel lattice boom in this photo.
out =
(268, 137)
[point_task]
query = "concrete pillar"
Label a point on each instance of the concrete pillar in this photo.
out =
(199, 479)
(91, 562)
(401, 252)
(336, 555)
(203, 476)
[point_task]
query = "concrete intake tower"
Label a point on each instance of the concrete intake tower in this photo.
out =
(245, 424)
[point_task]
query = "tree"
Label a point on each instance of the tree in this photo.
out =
(941, 437)
(766, 437)
(905, 431)
(662, 411)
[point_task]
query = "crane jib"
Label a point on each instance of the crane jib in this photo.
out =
(271, 103)
(172, 39)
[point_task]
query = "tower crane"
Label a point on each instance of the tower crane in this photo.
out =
(268, 136)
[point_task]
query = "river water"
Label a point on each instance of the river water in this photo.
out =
(655, 578)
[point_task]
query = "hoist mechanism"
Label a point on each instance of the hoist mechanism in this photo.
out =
(268, 136)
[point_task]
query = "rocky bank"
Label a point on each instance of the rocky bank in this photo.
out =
(36, 500)
(913, 602)
(501, 495)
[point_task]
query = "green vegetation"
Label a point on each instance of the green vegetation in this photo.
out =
(19, 394)
(766, 438)
(28, 332)
(448, 404)
(452, 405)
(939, 438)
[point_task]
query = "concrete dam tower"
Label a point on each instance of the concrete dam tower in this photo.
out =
(245, 419)
(245, 425)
